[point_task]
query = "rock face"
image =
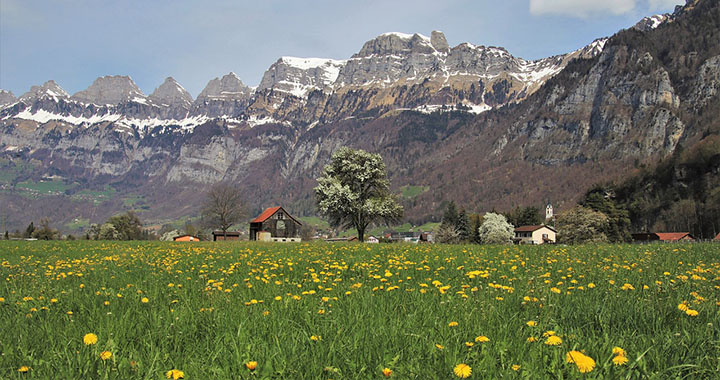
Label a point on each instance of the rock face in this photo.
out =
(473, 123)
(111, 90)
(222, 96)
(6, 97)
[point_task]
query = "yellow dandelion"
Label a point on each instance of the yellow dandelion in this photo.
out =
(515, 367)
(278, 298)
(105, 355)
(175, 374)
(439, 346)
(453, 324)
(315, 338)
(531, 323)
(23, 369)
(251, 365)
(144, 300)
(555, 290)
(618, 351)
(682, 306)
(321, 311)
(90, 339)
(462, 371)
(548, 333)
(591, 285)
(387, 372)
(469, 344)
(553, 340)
(531, 339)
(482, 339)
(691, 312)
(583, 362)
(620, 360)
(627, 286)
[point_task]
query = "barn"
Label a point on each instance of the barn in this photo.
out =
(275, 224)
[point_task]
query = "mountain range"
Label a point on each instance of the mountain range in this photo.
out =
(467, 123)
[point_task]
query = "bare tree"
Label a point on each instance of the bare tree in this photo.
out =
(223, 207)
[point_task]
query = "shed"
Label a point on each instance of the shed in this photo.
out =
(281, 226)
(227, 235)
(674, 236)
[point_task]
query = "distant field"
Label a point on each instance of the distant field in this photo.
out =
(323, 311)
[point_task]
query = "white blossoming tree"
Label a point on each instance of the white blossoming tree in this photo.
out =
(495, 229)
(354, 191)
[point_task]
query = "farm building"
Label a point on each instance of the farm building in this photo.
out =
(186, 238)
(539, 234)
(275, 224)
(663, 236)
(228, 235)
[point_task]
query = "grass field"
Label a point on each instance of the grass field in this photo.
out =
(321, 311)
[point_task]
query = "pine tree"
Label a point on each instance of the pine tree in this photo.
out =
(463, 226)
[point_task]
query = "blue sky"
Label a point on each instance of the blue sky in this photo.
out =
(76, 41)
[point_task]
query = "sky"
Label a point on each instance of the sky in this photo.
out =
(75, 41)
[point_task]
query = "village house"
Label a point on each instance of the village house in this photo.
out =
(275, 224)
(186, 238)
(663, 236)
(227, 235)
(539, 234)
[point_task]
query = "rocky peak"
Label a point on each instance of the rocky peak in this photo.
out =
(298, 76)
(650, 23)
(228, 87)
(171, 92)
(48, 89)
(438, 41)
(6, 97)
(397, 44)
(111, 90)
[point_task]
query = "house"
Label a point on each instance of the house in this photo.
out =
(227, 235)
(372, 240)
(539, 234)
(275, 224)
(186, 238)
(663, 236)
(717, 238)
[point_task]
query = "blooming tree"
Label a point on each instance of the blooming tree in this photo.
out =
(495, 229)
(354, 191)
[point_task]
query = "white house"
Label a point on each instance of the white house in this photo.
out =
(535, 234)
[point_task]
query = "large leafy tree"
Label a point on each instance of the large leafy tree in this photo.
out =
(354, 191)
(582, 225)
(495, 229)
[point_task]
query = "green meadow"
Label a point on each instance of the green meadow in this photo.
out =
(138, 310)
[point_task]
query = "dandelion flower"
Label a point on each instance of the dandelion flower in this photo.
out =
(315, 338)
(24, 369)
(251, 365)
(144, 300)
(515, 367)
(531, 339)
(387, 372)
(691, 312)
(439, 346)
(531, 323)
(548, 333)
(469, 344)
(682, 307)
(553, 340)
(105, 355)
(175, 374)
(462, 371)
(453, 324)
(482, 339)
(620, 360)
(583, 362)
(89, 339)
(618, 351)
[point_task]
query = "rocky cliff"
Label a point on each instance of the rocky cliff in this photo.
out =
(469, 123)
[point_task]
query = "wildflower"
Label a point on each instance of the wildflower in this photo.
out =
(531, 323)
(620, 360)
(627, 286)
(144, 300)
(548, 333)
(321, 311)
(691, 312)
(453, 324)
(591, 285)
(583, 362)
(106, 303)
(105, 355)
(515, 367)
(89, 339)
(439, 346)
(278, 298)
(462, 371)
(682, 306)
(387, 372)
(553, 340)
(482, 339)
(315, 338)
(469, 344)
(2, 299)
(175, 374)
(23, 369)
(555, 290)
(251, 365)
(531, 339)
(618, 351)
(53, 300)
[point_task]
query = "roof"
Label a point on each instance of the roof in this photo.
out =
(270, 212)
(533, 228)
(672, 236)
(182, 236)
(717, 237)
(228, 233)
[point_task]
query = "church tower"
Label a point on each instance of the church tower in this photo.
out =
(549, 211)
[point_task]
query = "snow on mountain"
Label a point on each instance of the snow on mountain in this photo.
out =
(170, 92)
(48, 89)
(6, 98)
(299, 76)
(111, 90)
(651, 22)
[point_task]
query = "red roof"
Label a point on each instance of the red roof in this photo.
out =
(532, 228)
(270, 212)
(673, 236)
(717, 237)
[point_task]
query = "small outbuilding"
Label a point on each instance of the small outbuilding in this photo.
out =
(662, 236)
(227, 235)
(275, 224)
(186, 238)
(540, 234)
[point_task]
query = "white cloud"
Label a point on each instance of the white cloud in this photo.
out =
(582, 8)
(664, 4)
